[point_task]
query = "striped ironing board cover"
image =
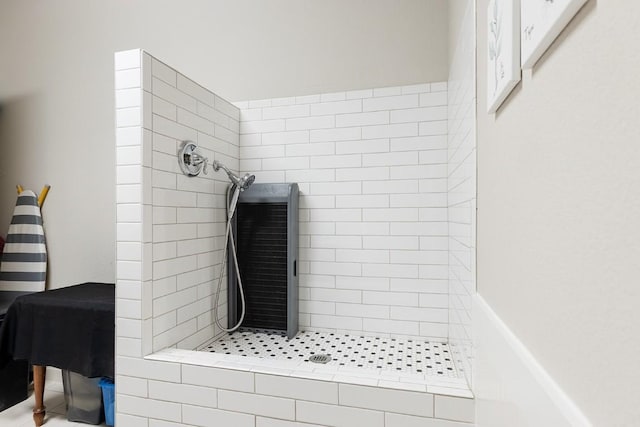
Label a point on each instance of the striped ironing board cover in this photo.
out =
(24, 259)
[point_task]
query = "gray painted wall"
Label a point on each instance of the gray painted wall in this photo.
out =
(558, 209)
(56, 86)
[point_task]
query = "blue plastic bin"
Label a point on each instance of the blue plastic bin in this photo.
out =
(108, 397)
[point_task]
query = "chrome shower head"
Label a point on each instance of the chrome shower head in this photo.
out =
(246, 181)
(242, 183)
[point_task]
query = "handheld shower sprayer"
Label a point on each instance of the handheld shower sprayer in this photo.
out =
(192, 163)
(242, 183)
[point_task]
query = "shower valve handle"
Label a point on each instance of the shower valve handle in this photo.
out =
(197, 160)
(190, 161)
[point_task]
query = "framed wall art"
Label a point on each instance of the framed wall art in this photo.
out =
(503, 53)
(542, 21)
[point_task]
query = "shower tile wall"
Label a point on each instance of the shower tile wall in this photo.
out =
(170, 226)
(372, 170)
(462, 193)
(159, 213)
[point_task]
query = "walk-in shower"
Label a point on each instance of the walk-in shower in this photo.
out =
(271, 332)
(372, 266)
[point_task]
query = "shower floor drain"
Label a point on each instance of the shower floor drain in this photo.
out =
(320, 358)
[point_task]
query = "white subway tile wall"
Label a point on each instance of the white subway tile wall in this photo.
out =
(355, 251)
(372, 169)
(170, 226)
(177, 393)
(132, 246)
(461, 186)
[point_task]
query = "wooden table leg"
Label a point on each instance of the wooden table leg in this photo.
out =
(38, 391)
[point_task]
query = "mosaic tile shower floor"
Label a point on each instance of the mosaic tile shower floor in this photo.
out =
(354, 351)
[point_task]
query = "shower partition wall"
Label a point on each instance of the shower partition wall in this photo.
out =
(373, 229)
(170, 233)
(461, 190)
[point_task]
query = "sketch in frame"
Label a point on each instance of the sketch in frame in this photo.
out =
(542, 21)
(503, 59)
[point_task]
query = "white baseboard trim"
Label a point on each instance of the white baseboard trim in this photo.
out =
(562, 402)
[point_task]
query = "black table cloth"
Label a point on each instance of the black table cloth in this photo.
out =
(70, 328)
(6, 299)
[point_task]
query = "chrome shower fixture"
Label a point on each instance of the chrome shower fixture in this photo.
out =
(242, 183)
(192, 163)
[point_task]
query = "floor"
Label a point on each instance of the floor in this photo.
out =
(383, 354)
(20, 415)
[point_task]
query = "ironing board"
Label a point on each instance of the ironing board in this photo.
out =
(23, 268)
(24, 260)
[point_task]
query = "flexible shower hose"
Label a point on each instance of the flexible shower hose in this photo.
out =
(231, 209)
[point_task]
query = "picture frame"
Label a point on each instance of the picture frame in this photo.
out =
(542, 22)
(503, 50)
